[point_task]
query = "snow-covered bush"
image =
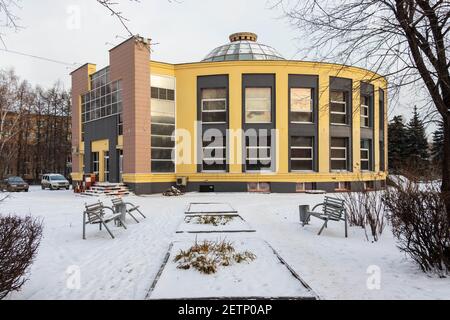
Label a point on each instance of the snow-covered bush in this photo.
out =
(19, 241)
(365, 209)
(419, 222)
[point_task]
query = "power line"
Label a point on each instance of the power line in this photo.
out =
(40, 58)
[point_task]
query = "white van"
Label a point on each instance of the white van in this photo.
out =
(54, 182)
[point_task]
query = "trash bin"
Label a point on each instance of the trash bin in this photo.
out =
(303, 210)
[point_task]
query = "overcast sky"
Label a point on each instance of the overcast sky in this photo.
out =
(80, 31)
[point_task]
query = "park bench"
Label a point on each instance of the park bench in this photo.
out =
(96, 214)
(333, 209)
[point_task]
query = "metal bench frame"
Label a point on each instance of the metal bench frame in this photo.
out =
(333, 209)
(118, 204)
(95, 214)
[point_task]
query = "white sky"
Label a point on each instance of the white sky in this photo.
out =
(80, 31)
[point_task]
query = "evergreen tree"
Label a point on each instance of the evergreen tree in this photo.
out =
(437, 148)
(397, 143)
(417, 145)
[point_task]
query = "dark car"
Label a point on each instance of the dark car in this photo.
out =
(14, 184)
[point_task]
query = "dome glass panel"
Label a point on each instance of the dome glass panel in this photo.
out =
(243, 46)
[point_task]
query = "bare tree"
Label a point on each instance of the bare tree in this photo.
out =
(13, 105)
(408, 41)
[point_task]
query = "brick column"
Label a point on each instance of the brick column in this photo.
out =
(130, 62)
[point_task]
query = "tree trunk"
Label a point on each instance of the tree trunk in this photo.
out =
(445, 188)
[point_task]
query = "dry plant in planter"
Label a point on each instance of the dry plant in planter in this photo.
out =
(207, 256)
(214, 220)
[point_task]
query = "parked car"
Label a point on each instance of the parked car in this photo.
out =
(14, 184)
(54, 182)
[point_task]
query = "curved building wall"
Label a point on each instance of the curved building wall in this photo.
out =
(362, 138)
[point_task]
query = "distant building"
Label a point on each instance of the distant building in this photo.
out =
(243, 119)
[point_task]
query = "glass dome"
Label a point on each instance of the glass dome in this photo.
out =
(243, 46)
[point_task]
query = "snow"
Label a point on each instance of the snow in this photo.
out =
(210, 208)
(237, 280)
(124, 268)
(236, 224)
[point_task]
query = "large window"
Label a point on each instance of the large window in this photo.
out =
(365, 111)
(258, 105)
(338, 107)
(258, 152)
(214, 105)
(214, 155)
(302, 153)
(104, 99)
(302, 104)
(366, 155)
(339, 154)
(162, 124)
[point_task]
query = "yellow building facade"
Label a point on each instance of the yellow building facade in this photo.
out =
(324, 123)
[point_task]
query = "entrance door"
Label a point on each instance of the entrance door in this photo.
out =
(106, 166)
(120, 165)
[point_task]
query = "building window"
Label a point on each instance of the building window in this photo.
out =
(162, 94)
(258, 105)
(302, 153)
(382, 157)
(366, 155)
(214, 105)
(82, 132)
(302, 104)
(369, 185)
(342, 186)
(106, 163)
(338, 107)
(305, 186)
(258, 152)
(120, 125)
(104, 99)
(162, 126)
(95, 163)
(214, 155)
(365, 111)
(263, 187)
(339, 154)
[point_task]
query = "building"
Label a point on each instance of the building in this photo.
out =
(243, 119)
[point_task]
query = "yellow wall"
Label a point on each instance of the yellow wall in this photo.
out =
(186, 94)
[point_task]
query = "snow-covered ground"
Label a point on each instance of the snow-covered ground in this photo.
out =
(124, 268)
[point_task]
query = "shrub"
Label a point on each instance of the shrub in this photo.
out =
(419, 222)
(365, 209)
(207, 256)
(19, 241)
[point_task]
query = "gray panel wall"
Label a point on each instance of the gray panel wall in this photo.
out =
(344, 131)
(259, 81)
(212, 82)
(367, 89)
(102, 129)
(305, 129)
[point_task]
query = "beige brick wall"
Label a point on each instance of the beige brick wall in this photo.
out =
(129, 62)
